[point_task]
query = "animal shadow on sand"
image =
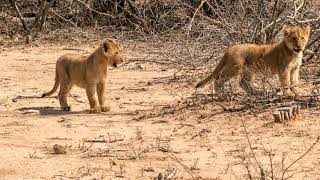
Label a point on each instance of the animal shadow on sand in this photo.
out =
(44, 110)
(47, 111)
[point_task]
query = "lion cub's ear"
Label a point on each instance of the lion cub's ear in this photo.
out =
(307, 29)
(105, 47)
(286, 30)
(107, 44)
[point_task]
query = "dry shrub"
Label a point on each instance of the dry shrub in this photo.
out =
(187, 35)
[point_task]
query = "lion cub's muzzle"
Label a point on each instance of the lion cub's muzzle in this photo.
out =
(297, 49)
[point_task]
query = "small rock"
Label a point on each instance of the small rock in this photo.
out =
(58, 149)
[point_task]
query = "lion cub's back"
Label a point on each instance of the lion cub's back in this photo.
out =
(246, 53)
(73, 65)
(71, 58)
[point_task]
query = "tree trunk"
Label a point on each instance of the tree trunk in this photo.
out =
(24, 23)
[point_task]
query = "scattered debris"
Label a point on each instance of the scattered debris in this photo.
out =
(101, 139)
(77, 98)
(149, 83)
(34, 155)
(148, 169)
(104, 149)
(31, 111)
(195, 165)
(169, 174)
(160, 121)
(201, 133)
(121, 172)
(35, 96)
(58, 138)
(83, 154)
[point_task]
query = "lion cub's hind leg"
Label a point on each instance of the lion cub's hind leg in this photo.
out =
(246, 83)
(224, 76)
(219, 87)
(220, 82)
(101, 90)
(91, 93)
(65, 87)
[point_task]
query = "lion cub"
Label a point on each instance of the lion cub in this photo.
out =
(283, 58)
(86, 72)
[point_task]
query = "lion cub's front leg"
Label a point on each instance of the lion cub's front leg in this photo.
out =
(91, 92)
(284, 77)
(65, 87)
(101, 90)
(294, 78)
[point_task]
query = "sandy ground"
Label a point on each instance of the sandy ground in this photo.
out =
(150, 129)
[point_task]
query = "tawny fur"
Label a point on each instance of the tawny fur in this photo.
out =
(283, 58)
(86, 72)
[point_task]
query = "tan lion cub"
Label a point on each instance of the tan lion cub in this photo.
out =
(86, 72)
(283, 58)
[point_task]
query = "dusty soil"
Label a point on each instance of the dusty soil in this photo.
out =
(152, 127)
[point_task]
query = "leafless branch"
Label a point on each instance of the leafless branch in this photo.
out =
(251, 149)
(24, 23)
(93, 10)
(300, 157)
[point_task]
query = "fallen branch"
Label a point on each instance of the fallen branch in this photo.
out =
(58, 138)
(103, 140)
(189, 171)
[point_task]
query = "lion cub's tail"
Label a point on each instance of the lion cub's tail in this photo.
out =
(214, 75)
(55, 87)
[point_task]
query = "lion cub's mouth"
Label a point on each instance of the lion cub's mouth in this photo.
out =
(115, 65)
(297, 50)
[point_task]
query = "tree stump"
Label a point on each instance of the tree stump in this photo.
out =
(285, 114)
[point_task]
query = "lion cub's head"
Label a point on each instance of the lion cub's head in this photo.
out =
(112, 53)
(296, 38)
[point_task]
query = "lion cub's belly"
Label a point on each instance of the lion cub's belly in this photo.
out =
(81, 84)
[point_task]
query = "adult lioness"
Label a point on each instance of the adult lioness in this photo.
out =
(86, 72)
(283, 58)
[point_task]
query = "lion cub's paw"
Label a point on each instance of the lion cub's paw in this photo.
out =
(296, 92)
(288, 92)
(95, 110)
(105, 108)
(67, 108)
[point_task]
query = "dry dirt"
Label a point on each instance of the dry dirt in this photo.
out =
(149, 130)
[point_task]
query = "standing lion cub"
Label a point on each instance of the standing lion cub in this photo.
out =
(283, 58)
(86, 72)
